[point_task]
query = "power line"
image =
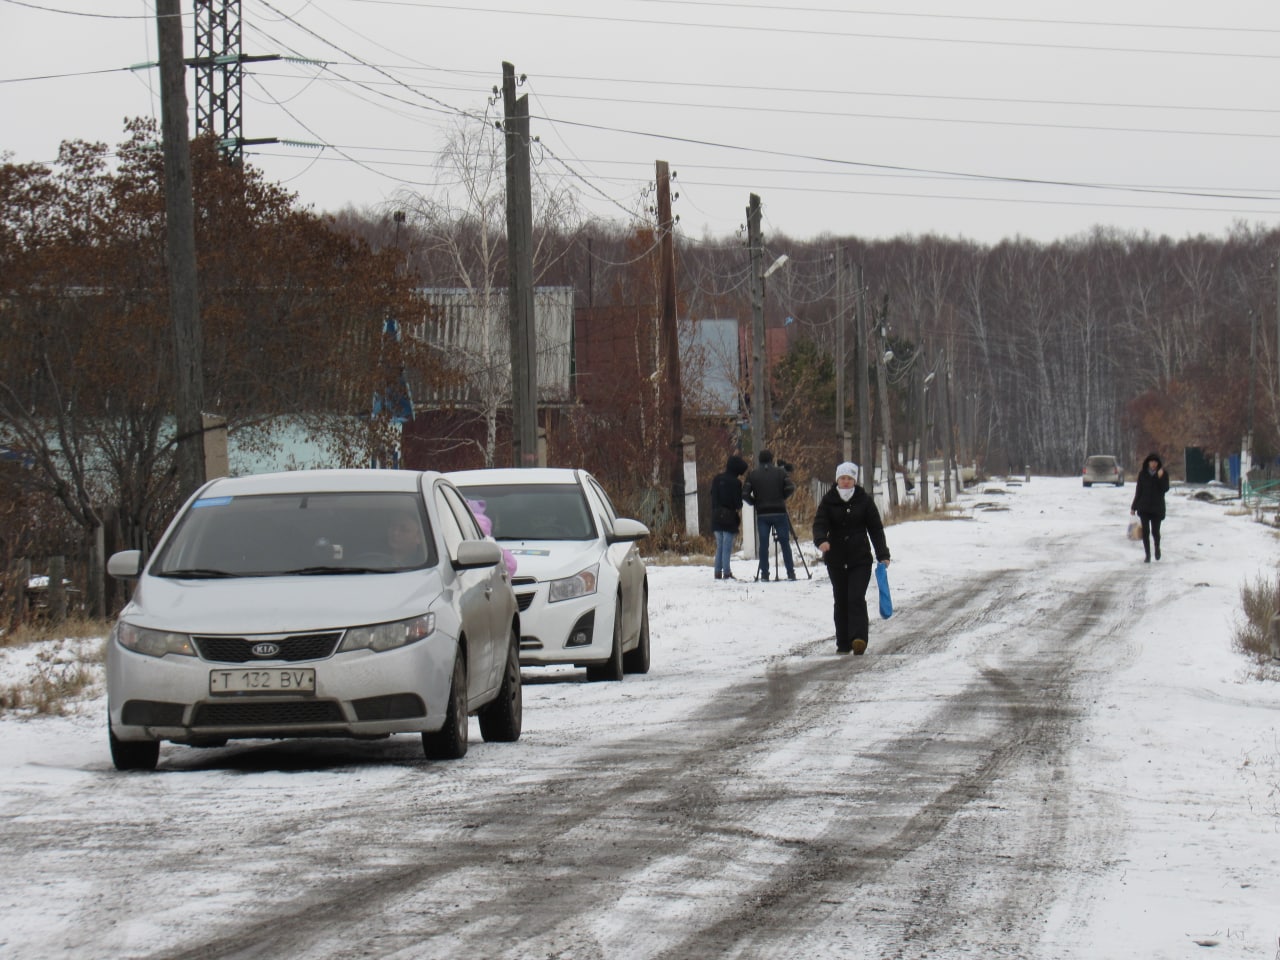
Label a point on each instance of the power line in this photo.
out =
(798, 31)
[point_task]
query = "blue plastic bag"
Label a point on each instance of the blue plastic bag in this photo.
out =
(882, 581)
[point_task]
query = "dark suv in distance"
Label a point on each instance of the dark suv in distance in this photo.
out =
(1102, 469)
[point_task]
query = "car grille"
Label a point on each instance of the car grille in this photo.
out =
(257, 714)
(524, 600)
(302, 646)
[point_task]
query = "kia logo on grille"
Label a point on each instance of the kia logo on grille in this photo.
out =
(266, 649)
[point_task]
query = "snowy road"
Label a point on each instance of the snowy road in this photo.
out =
(980, 784)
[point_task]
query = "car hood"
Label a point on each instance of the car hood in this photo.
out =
(552, 559)
(280, 604)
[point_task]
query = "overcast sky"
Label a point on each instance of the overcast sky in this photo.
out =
(985, 120)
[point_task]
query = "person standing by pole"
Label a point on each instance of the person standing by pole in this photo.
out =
(846, 526)
(726, 513)
(767, 488)
(1148, 501)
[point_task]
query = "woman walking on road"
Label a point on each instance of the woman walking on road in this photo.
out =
(726, 512)
(1148, 501)
(845, 528)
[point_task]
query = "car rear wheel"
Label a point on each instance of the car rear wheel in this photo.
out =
(133, 754)
(450, 741)
(611, 669)
(637, 660)
(500, 720)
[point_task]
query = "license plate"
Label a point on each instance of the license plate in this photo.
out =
(274, 680)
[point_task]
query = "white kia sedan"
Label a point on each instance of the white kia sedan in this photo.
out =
(580, 580)
(315, 603)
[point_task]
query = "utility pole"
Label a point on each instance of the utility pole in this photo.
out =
(180, 250)
(670, 340)
(948, 439)
(865, 448)
(882, 380)
(840, 348)
(524, 342)
(922, 454)
(754, 246)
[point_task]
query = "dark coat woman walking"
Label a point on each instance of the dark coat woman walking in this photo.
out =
(726, 512)
(845, 528)
(1148, 501)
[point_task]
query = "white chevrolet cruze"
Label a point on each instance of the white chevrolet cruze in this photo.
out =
(315, 603)
(580, 580)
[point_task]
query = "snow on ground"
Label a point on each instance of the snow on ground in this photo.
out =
(1181, 741)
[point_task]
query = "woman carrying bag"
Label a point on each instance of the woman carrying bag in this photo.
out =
(845, 528)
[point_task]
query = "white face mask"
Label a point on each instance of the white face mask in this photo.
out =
(845, 492)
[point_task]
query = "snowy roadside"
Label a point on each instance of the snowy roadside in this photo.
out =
(1180, 742)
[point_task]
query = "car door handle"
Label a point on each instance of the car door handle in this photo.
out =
(488, 592)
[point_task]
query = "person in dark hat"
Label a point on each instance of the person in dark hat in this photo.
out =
(846, 526)
(726, 512)
(767, 488)
(1148, 501)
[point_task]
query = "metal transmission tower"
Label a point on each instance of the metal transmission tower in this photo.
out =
(218, 72)
(219, 69)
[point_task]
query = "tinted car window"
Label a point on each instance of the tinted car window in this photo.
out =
(270, 535)
(550, 511)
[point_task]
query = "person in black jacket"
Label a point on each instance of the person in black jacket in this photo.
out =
(767, 488)
(1148, 501)
(844, 522)
(726, 512)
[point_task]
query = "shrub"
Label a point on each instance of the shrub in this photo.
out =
(1259, 602)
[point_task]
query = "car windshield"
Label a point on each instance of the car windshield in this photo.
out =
(302, 534)
(535, 511)
(1102, 463)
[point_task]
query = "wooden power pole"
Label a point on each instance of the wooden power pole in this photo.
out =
(524, 340)
(670, 341)
(866, 451)
(754, 247)
(180, 250)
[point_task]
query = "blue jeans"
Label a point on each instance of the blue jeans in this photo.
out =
(724, 547)
(779, 523)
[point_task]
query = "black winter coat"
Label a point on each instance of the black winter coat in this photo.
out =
(847, 525)
(726, 496)
(767, 488)
(1149, 491)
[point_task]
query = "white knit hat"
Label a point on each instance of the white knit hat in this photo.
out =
(847, 469)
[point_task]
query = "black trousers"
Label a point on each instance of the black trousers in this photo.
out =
(849, 587)
(1150, 531)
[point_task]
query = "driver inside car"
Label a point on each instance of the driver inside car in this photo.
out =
(404, 539)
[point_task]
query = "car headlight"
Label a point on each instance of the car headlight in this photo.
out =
(581, 584)
(389, 636)
(152, 643)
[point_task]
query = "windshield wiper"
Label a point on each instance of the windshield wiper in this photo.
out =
(196, 573)
(328, 570)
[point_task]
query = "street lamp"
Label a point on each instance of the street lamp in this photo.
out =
(758, 346)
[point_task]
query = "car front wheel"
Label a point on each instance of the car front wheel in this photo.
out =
(637, 660)
(133, 754)
(501, 719)
(450, 741)
(611, 669)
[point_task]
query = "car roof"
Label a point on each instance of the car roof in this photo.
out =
(319, 481)
(516, 475)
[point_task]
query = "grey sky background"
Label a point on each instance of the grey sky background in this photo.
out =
(985, 120)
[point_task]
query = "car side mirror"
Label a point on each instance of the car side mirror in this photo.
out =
(125, 564)
(477, 553)
(627, 530)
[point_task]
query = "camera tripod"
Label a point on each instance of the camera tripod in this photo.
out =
(797, 552)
